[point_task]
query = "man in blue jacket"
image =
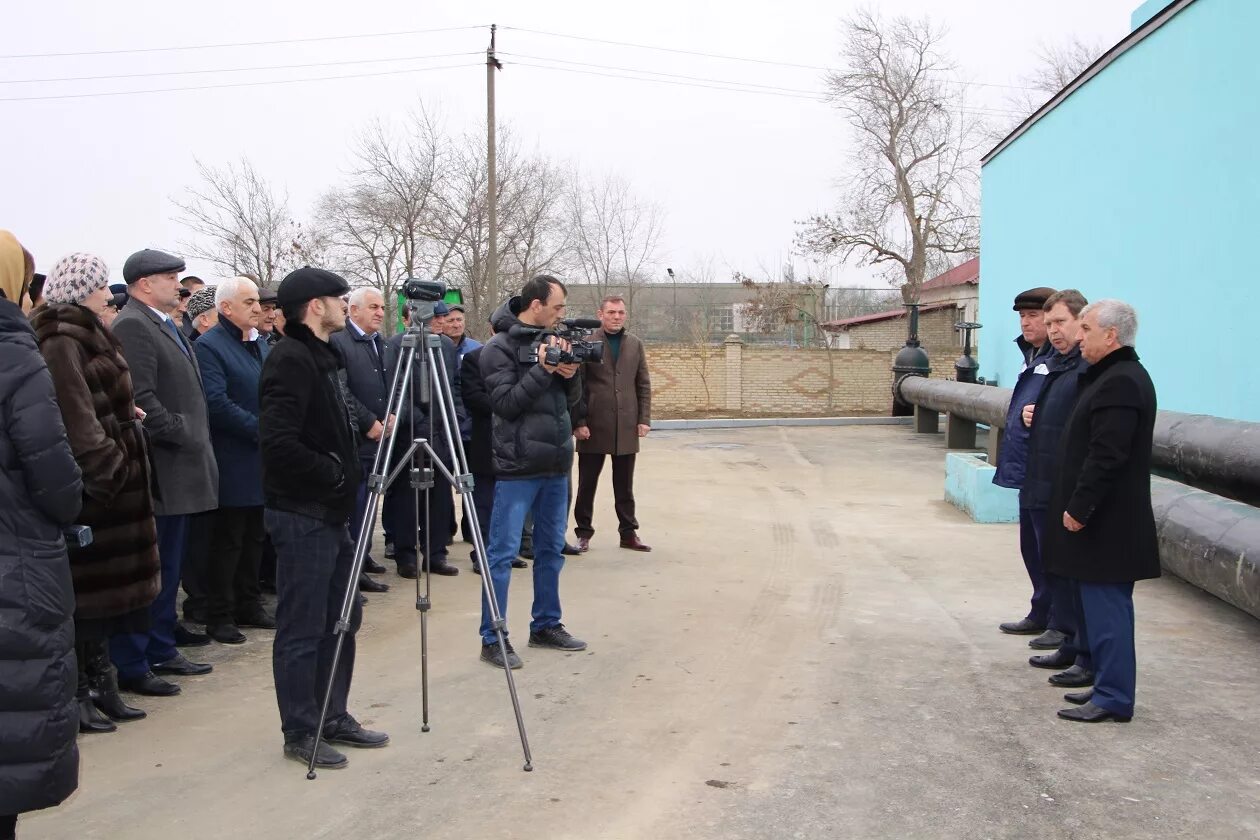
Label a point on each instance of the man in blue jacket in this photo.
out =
(1012, 457)
(231, 356)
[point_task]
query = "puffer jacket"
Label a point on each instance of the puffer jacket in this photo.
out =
(532, 434)
(1014, 452)
(1054, 407)
(40, 494)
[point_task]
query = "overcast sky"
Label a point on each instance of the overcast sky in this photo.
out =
(732, 170)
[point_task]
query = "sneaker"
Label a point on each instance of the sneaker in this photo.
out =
(326, 758)
(555, 637)
(491, 653)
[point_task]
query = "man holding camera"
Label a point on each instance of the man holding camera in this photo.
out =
(532, 454)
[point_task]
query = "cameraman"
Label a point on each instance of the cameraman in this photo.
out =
(533, 455)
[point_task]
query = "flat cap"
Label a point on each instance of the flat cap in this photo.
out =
(441, 308)
(120, 296)
(266, 295)
(149, 262)
(455, 307)
(202, 301)
(308, 283)
(1033, 298)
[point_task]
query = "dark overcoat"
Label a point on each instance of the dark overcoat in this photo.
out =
(1104, 478)
(618, 398)
(369, 375)
(40, 494)
(231, 371)
(476, 399)
(119, 571)
(167, 386)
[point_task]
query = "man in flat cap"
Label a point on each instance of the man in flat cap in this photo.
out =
(1036, 350)
(311, 472)
(271, 325)
(168, 388)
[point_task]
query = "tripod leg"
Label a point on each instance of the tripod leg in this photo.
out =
(422, 599)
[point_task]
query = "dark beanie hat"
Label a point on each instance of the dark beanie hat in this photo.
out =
(1033, 298)
(149, 262)
(308, 283)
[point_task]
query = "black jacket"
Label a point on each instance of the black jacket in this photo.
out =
(1053, 407)
(1012, 457)
(1104, 478)
(477, 404)
(40, 493)
(310, 440)
(368, 378)
(532, 433)
(419, 409)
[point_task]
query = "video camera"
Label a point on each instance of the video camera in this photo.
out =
(572, 330)
(421, 295)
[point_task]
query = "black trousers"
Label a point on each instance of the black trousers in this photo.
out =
(236, 548)
(193, 570)
(400, 503)
(483, 500)
(589, 468)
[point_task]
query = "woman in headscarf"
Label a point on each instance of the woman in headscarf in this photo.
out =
(116, 576)
(40, 494)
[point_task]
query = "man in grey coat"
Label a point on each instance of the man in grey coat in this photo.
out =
(168, 390)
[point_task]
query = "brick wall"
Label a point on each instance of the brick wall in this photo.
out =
(936, 334)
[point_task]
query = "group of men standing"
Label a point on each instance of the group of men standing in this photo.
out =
(1077, 445)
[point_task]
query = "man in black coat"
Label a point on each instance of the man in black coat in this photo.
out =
(1100, 532)
(310, 445)
(1046, 420)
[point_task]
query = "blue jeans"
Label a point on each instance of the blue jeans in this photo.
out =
(313, 565)
(548, 500)
(1107, 633)
(134, 653)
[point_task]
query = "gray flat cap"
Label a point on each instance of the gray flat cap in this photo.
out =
(148, 262)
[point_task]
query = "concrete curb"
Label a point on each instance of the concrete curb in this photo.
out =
(754, 422)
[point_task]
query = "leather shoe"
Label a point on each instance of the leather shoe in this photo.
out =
(518, 563)
(372, 567)
(367, 584)
(1074, 677)
(406, 570)
(326, 758)
(1089, 713)
(390, 552)
(444, 569)
(570, 550)
(90, 720)
(1079, 698)
(181, 667)
(226, 634)
(583, 545)
(352, 734)
(260, 618)
(1023, 627)
(189, 638)
(1056, 660)
(1049, 640)
(633, 543)
(150, 685)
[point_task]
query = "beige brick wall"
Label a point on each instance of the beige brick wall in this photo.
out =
(936, 333)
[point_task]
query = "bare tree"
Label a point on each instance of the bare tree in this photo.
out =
(240, 223)
(911, 201)
(615, 236)
(701, 358)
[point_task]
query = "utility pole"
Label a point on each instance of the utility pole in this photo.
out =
(492, 181)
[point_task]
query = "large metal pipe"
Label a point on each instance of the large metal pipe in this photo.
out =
(1211, 453)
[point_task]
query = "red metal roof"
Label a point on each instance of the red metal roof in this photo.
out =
(960, 275)
(845, 323)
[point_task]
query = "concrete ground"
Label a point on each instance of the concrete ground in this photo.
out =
(811, 651)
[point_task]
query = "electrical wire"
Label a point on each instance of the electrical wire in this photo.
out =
(813, 97)
(658, 73)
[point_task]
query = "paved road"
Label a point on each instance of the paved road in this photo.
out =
(810, 652)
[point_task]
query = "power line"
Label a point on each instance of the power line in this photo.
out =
(235, 84)
(658, 73)
(235, 69)
(733, 89)
(247, 43)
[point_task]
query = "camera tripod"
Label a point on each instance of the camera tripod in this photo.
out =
(435, 387)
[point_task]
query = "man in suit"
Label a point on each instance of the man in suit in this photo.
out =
(168, 388)
(1100, 532)
(231, 356)
(617, 395)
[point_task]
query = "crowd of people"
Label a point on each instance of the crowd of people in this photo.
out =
(165, 433)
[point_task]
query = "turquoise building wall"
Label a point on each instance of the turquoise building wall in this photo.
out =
(1141, 186)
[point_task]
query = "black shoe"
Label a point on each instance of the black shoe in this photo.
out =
(407, 570)
(476, 569)
(189, 638)
(1079, 698)
(390, 553)
(103, 687)
(372, 567)
(367, 584)
(570, 550)
(518, 563)
(1023, 627)
(362, 600)
(1074, 677)
(150, 685)
(181, 667)
(326, 758)
(1057, 660)
(527, 553)
(444, 569)
(1049, 640)
(116, 709)
(260, 618)
(555, 637)
(491, 653)
(1089, 713)
(352, 734)
(90, 720)
(225, 634)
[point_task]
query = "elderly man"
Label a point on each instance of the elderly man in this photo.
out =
(167, 385)
(202, 312)
(1036, 351)
(271, 325)
(231, 356)
(1101, 530)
